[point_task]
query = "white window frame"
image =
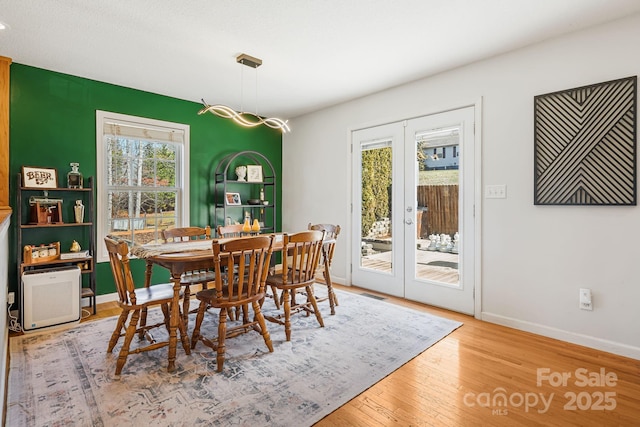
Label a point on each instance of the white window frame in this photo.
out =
(182, 174)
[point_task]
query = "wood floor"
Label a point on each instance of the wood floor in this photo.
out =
(461, 380)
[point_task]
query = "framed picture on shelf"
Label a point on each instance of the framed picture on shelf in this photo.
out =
(254, 173)
(33, 177)
(233, 199)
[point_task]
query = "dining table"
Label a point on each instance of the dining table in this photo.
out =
(190, 257)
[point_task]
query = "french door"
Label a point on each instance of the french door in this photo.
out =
(413, 203)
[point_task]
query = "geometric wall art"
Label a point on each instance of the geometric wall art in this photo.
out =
(585, 145)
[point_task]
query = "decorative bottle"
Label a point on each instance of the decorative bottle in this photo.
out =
(255, 228)
(74, 177)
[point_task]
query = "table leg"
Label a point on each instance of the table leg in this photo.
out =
(147, 274)
(173, 324)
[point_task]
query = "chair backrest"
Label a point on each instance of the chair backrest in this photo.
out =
(303, 250)
(233, 230)
(183, 234)
(242, 266)
(331, 231)
(119, 260)
(331, 235)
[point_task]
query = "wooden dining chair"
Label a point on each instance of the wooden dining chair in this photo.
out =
(232, 230)
(134, 304)
(246, 262)
(190, 278)
(331, 235)
(303, 251)
(235, 230)
(225, 232)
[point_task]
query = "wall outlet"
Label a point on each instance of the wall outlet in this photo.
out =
(585, 299)
(11, 298)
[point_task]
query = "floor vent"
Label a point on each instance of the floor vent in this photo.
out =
(372, 296)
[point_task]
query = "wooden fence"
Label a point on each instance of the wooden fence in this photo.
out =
(441, 214)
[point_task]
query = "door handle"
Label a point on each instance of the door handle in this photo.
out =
(409, 221)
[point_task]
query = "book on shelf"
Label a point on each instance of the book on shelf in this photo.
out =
(75, 255)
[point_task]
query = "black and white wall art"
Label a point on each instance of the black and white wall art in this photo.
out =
(585, 145)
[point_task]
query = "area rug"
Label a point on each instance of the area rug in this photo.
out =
(65, 377)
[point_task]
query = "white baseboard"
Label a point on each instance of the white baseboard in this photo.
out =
(106, 298)
(580, 339)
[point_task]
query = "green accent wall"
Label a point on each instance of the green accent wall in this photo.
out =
(53, 123)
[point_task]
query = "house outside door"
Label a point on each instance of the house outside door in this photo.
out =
(395, 248)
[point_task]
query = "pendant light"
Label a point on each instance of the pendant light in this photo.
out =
(244, 118)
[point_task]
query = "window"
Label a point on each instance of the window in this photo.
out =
(143, 170)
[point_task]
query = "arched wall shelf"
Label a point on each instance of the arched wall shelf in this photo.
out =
(226, 183)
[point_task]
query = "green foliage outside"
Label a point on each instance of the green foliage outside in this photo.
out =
(376, 186)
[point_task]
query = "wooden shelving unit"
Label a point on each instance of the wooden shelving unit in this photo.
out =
(31, 227)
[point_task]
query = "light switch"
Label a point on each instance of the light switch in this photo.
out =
(498, 191)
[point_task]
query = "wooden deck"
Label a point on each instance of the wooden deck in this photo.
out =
(431, 265)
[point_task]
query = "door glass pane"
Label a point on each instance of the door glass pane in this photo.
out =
(376, 234)
(438, 240)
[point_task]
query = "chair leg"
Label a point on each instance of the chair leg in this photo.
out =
(311, 298)
(182, 329)
(287, 313)
(143, 322)
(167, 315)
(276, 300)
(185, 304)
(263, 326)
(245, 313)
(222, 333)
(333, 300)
(118, 330)
(196, 329)
(131, 331)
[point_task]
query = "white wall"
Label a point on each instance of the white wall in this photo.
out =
(534, 258)
(4, 329)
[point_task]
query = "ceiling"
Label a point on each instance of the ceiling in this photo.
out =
(315, 53)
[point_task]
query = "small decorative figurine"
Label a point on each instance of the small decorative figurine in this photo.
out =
(246, 228)
(75, 247)
(434, 239)
(241, 172)
(456, 241)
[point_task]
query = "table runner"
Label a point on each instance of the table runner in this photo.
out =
(149, 250)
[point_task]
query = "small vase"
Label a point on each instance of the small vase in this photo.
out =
(78, 211)
(246, 228)
(256, 226)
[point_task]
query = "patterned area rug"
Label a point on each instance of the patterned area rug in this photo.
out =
(65, 377)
